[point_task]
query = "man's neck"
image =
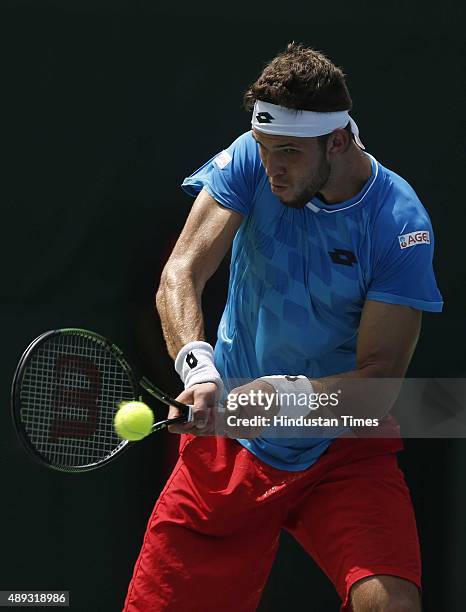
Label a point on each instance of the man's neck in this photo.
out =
(348, 176)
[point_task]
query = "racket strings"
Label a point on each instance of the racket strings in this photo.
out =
(69, 393)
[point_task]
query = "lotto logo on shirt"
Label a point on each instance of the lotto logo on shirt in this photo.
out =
(413, 238)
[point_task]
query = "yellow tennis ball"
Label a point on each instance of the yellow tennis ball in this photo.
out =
(133, 420)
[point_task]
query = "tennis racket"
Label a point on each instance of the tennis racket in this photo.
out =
(65, 392)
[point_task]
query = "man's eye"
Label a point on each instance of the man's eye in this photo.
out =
(290, 151)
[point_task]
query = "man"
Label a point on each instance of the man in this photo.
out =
(331, 267)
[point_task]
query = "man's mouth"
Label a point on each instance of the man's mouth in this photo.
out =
(277, 188)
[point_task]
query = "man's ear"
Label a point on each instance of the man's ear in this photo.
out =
(338, 141)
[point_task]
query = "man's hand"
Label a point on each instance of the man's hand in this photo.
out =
(256, 399)
(204, 398)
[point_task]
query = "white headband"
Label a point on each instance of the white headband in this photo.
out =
(272, 119)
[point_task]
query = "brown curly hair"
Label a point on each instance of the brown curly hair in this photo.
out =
(301, 78)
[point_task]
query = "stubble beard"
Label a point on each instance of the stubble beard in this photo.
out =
(312, 188)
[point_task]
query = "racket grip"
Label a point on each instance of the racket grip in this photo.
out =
(190, 416)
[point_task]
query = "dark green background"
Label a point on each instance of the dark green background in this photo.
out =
(109, 104)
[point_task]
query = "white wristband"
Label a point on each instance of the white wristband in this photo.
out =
(293, 393)
(195, 364)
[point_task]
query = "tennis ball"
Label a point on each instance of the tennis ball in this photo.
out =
(133, 420)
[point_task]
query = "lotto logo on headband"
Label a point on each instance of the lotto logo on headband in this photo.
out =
(413, 238)
(264, 117)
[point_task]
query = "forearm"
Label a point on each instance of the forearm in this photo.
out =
(363, 393)
(178, 303)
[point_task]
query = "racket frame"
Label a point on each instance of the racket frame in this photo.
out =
(137, 382)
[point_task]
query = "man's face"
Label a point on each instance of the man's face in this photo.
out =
(296, 167)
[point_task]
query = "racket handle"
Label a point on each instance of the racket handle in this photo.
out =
(186, 418)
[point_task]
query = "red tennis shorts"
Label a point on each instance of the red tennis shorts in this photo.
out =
(214, 532)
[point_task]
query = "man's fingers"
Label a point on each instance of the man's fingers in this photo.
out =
(180, 428)
(202, 397)
(174, 413)
(201, 416)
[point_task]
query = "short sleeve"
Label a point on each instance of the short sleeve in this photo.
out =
(402, 253)
(230, 177)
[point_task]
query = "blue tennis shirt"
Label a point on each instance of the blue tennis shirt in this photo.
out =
(299, 277)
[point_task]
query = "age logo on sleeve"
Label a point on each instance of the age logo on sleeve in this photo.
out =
(223, 159)
(413, 238)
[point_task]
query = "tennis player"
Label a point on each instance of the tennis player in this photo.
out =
(331, 267)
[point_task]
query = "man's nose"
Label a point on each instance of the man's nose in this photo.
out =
(274, 165)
